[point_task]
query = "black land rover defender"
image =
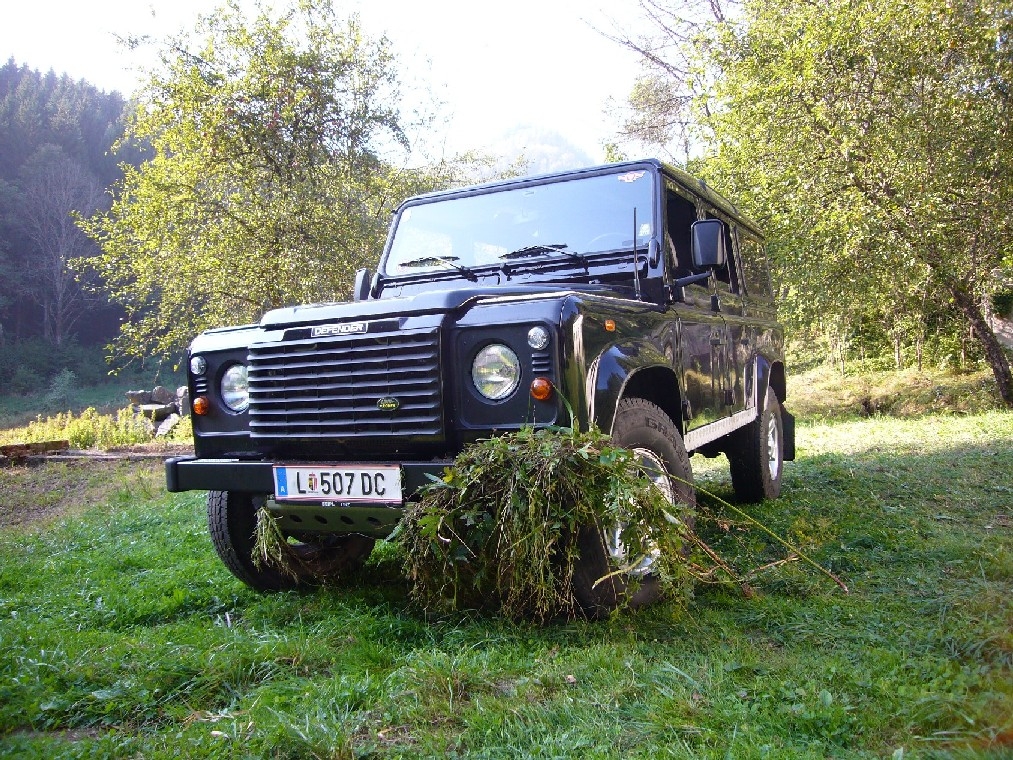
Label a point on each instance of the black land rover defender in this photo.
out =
(631, 294)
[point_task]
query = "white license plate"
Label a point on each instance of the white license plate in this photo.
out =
(378, 483)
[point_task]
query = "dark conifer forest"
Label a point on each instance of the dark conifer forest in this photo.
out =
(56, 162)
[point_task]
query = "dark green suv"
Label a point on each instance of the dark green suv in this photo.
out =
(631, 294)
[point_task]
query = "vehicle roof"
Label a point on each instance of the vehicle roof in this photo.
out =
(694, 185)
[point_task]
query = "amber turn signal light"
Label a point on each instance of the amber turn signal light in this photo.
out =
(201, 405)
(541, 389)
(610, 325)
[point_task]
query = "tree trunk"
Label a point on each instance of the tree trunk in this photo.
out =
(995, 354)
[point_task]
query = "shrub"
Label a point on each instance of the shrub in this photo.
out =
(84, 431)
(62, 392)
(496, 530)
(23, 381)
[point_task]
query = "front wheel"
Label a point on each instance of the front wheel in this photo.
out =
(232, 523)
(657, 444)
(756, 456)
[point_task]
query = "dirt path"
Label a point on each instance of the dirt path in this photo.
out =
(42, 490)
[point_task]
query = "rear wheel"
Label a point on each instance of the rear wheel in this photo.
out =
(654, 439)
(756, 456)
(232, 523)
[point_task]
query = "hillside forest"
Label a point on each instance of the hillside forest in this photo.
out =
(56, 161)
(872, 141)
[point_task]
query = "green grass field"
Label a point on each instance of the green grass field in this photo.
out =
(122, 635)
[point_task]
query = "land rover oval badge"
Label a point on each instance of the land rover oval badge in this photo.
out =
(388, 404)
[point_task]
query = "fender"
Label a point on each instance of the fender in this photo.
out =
(622, 366)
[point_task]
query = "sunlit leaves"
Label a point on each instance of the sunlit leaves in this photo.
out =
(265, 184)
(874, 142)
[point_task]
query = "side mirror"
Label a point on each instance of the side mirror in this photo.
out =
(360, 291)
(376, 285)
(708, 244)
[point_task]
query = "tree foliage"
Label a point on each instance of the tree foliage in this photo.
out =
(874, 140)
(55, 139)
(266, 184)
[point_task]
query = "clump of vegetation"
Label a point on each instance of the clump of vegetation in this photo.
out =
(62, 391)
(498, 530)
(86, 430)
(825, 393)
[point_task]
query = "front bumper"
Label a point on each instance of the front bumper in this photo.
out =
(189, 473)
(377, 520)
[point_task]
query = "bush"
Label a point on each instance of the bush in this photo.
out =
(62, 392)
(27, 366)
(496, 530)
(84, 431)
(23, 381)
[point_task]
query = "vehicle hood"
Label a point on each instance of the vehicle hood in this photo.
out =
(432, 302)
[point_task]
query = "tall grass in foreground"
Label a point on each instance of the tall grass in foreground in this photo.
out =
(122, 635)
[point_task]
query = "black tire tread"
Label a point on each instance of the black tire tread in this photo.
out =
(232, 521)
(747, 457)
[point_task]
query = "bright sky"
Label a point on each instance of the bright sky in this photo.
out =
(526, 76)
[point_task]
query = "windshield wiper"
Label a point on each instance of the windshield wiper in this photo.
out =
(427, 261)
(534, 250)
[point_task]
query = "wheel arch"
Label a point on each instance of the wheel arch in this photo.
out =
(769, 374)
(660, 386)
(615, 380)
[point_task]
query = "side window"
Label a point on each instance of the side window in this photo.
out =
(754, 266)
(680, 213)
(726, 274)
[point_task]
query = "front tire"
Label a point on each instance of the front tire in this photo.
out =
(645, 429)
(232, 523)
(756, 458)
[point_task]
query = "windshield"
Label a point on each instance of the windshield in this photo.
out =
(571, 218)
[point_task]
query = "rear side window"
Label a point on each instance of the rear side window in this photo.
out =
(754, 266)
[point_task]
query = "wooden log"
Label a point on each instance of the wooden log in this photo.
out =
(17, 450)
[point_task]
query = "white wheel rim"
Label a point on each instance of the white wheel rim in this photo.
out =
(654, 467)
(773, 458)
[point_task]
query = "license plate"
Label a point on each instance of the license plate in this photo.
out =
(338, 483)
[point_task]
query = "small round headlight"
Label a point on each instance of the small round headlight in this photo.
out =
(198, 365)
(538, 337)
(235, 388)
(496, 372)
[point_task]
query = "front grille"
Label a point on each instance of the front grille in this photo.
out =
(332, 387)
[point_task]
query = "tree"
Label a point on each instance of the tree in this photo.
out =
(55, 138)
(53, 189)
(874, 139)
(266, 184)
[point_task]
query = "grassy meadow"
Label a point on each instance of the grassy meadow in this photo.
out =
(122, 635)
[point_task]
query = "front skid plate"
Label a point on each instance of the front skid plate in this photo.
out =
(377, 522)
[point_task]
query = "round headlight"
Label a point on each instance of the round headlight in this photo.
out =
(236, 388)
(198, 365)
(496, 372)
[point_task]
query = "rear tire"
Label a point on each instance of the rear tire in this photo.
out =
(232, 523)
(756, 456)
(645, 429)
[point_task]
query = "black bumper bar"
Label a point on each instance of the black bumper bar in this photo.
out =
(193, 474)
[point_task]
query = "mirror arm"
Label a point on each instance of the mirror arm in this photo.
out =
(698, 277)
